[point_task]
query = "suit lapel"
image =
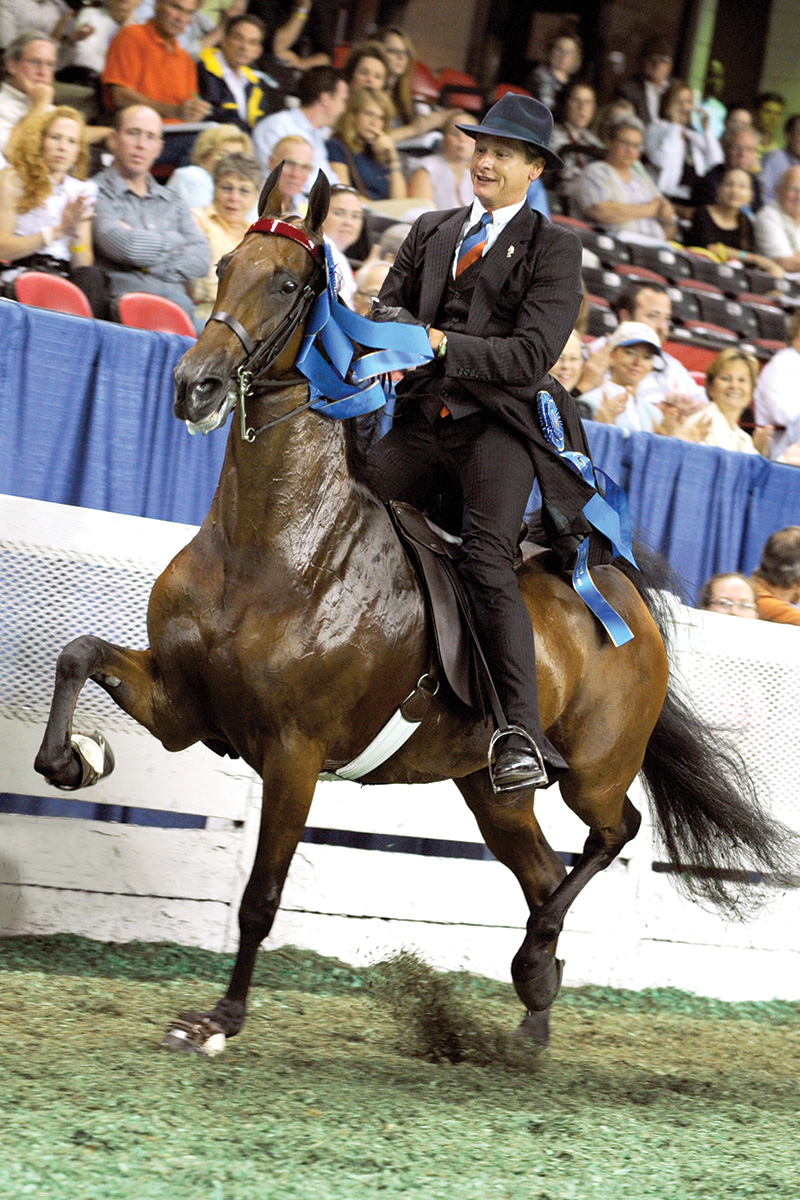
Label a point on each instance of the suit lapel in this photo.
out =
(439, 253)
(497, 265)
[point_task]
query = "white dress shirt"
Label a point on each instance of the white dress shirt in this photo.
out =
(500, 218)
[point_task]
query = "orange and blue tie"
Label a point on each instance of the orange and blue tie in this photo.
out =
(473, 244)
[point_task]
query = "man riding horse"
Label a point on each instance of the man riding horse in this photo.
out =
(499, 288)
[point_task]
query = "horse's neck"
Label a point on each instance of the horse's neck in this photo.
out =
(287, 490)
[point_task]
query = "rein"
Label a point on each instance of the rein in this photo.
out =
(260, 355)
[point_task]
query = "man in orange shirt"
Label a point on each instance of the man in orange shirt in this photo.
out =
(145, 65)
(777, 577)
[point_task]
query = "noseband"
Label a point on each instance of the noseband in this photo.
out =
(260, 355)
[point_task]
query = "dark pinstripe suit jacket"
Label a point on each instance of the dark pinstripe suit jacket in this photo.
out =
(524, 308)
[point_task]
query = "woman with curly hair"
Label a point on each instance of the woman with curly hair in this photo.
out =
(47, 204)
(362, 153)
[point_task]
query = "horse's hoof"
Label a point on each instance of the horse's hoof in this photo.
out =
(534, 1027)
(199, 1035)
(538, 984)
(96, 759)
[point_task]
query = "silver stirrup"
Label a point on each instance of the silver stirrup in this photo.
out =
(96, 759)
(502, 733)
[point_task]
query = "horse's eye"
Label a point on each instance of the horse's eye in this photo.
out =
(289, 287)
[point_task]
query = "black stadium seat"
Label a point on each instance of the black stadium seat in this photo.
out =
(722, 275)
(772, 321)
(600, 320)
(684, 305)
(667, 262)
(607, 248)
(601, 282)
(728, 313)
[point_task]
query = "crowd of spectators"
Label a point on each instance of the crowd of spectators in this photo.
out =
(184, 108)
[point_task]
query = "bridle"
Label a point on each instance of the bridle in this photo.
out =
(260, 355)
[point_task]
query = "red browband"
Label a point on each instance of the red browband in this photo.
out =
(284, 229)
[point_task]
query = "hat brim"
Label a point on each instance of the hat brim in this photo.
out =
(551, 161)
(657, 355)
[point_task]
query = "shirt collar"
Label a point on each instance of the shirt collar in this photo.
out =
(500, 216)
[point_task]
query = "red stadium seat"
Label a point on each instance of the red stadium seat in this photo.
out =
(570, 222)
(424, 84)
(694, 358)
(502, 89)
(457, 89)
(341, 54)
(143, 311)
(41, 290)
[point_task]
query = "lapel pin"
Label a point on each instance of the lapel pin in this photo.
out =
(509, 252)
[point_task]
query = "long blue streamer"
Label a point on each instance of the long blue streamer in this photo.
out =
(340, 387)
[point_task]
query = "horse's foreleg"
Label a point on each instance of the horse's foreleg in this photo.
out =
(289, 782)
(129, 678)
(514, 836)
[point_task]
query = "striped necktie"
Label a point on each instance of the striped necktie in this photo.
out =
(473, 244)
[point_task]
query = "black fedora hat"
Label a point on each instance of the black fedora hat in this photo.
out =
(523, 119)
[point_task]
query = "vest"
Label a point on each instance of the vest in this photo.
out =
(452, 318)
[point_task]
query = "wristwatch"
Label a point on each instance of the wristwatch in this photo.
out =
(441, 349)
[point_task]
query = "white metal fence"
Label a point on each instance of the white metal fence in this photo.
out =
(65, 571)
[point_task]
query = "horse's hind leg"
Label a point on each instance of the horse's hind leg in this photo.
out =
(514, 836)
(129, 678)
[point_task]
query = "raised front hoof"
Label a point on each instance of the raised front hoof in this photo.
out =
(195, 1034)
(91, 759)
(534, 1027)
(538, 983)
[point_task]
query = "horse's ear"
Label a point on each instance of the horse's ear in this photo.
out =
(318, 202)
(269, 202)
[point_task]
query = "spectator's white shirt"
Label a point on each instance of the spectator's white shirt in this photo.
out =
(673, 377)
(777, 235)
(20, 16)
(91, 51)
(776, 400)
(640, 412)
(293, 122)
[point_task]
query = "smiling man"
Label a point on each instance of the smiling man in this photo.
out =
(499, 288)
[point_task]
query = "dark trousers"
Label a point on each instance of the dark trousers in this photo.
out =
(489, 468)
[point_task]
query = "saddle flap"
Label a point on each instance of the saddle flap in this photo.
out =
(431, 553)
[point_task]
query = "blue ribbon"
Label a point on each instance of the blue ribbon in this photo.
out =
(340, 387)
(607, 512)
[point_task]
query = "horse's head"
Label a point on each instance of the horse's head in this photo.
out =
(266, 287)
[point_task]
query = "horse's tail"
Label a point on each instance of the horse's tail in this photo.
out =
(714, 831)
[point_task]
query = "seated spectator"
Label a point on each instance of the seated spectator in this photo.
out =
(730, 594)
(443, 177)
(323, 97)
(85, 58)
(236, 93)
(28, 90)
(390, 242)
(777, 577)
(297, 157)
(725, 229)
(738, 119)
(47, 205)
(730, 380)
(619, 195)
(769, 110)
(30, 64)
(776, 401)
(237, 182)
(573, 140)
(569, 366)
(342, 228)
(369, 281)
(145, 236)
(361, 153)
(679, 153)
(564, 55)
(413, 119)
(648, 304)
(619, 400)
(607, 116)
(775, 165)
(299, 34)
(367, 66)
(146, 66)
(195, 183)
(778, 225)
(645, 89)
(740, 150)
(199, 32)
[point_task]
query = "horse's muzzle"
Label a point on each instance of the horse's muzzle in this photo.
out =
(198, 396)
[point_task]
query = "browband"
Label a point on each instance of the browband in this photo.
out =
(284, 229)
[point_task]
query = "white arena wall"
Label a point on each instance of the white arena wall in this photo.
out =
(65, 571)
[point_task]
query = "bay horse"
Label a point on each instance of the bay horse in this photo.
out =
(292, 626)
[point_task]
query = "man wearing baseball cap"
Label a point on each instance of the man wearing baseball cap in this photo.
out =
(498, 287)
(621, 399)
